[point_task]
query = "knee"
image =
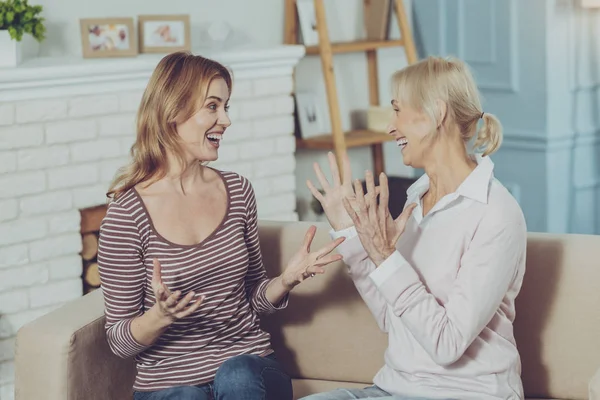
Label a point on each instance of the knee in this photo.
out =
(239, 370)
(252, 374)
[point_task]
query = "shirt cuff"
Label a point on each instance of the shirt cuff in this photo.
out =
(123, 342)
(394, 278)
(262, 303)
(348, 233)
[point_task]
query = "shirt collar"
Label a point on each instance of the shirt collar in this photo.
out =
(475, 186)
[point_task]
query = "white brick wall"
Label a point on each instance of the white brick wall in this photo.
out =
(58, 155)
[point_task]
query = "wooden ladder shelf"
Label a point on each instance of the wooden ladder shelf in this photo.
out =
(339, 140)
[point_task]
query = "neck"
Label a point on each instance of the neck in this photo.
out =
(184, 177)
(449, 166)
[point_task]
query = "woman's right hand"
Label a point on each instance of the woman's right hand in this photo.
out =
(332, 200)
(168, 307)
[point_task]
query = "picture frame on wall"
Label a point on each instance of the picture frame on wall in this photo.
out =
(307, 19)
(108, 37)
(310, 115)
(164, 33)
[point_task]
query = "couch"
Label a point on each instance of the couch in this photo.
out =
(327, 338)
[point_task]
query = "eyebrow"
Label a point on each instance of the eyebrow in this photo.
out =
(215, 97)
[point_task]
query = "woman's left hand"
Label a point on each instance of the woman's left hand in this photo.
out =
(305, 264)
(377, 230)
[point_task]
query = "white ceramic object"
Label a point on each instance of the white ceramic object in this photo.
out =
(10, 50)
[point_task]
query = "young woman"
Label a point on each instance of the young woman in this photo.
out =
(441, 280)
(179, 255)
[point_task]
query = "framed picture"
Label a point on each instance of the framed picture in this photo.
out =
(164, 33)
(307, 19)
(108, 37)
(310, 115)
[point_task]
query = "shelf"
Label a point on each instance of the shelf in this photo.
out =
(357, 138)
(356, 46)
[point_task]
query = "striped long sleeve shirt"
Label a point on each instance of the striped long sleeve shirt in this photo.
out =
(226, 267)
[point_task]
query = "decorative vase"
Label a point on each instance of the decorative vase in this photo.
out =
(10, 50)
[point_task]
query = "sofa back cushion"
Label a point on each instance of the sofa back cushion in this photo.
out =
(327, 332)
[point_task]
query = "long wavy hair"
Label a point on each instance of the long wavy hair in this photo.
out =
(177, 88)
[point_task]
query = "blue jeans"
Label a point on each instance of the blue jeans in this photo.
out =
(245, 377)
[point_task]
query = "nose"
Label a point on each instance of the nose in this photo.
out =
(391, 129)
(224, 120)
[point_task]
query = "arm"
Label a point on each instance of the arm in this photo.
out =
(129, 331)
(359, 268)
(265, 295)
(488, 268)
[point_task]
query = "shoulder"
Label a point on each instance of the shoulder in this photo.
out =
(503, 212)
(237, 181)
(124, 208)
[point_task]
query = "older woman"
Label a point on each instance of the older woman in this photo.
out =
(442, 278)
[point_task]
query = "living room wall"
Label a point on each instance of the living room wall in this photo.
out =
(258, 23)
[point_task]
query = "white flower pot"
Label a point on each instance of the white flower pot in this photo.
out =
(10, 50)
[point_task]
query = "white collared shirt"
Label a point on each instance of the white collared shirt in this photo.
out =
(446, 296)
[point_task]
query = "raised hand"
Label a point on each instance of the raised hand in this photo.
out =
(377, 230)
(305, 264)
(332, 200)
(169, 306)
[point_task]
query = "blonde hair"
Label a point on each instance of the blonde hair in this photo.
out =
(177, 87)
(424, 84)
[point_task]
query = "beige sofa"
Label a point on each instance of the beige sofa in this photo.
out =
(327, 337)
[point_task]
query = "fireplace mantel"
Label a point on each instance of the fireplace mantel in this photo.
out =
(64, 76)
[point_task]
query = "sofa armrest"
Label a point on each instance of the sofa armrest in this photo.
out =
(595, 387)
(64, 355)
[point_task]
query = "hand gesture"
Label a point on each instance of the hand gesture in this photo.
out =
(332, 200)
(377, 230)
(168, 305)
(305, 264)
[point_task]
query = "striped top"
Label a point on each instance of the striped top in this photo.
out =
(226, 267)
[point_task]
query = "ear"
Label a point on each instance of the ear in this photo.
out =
(442, 112)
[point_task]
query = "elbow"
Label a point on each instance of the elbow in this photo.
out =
(446, 359)
(445, 356)
(116, 349)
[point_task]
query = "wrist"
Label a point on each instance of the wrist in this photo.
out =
(157, 318)
(281, 281)
(338, 226)
(382, 256)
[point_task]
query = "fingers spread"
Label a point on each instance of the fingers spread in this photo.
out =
(347, 170)
(335, 172)
(329, 247)
(315, 192)
(351, 211)
(156, 270)
(321, 177)
(360, 196)
(328, 259)
(308, 237)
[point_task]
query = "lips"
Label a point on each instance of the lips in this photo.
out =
(401, 142)
(215, 138)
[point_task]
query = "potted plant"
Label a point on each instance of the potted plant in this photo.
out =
(17, 18)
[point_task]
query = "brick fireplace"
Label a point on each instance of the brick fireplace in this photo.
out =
(66, 127)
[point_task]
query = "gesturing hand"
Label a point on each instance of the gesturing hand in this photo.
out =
(377, 230)
(332, 200)
(168, 305)
(305, 264)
